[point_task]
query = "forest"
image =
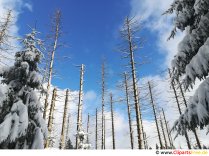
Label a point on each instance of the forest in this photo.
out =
(128, 110)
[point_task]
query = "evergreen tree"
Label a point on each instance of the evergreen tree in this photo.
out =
(21, 122)
(69, 145)
(192, 60)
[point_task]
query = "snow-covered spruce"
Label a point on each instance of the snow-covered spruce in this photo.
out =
(21, 122)
(82, 141)
(197, 112)
(192, 59)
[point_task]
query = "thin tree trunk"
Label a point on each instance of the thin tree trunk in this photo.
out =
(87, 128)
(179, 108)
(68, 125)
(163, 131)
(167, 130)
(96, 133)
(129, 112)
(112, 118)
(103, 94)
(133, 71)
(62, 140)
(80, 105)
(57, 32)
(50, 121)
(5, 27)
(185, 102)
(104, 133)
(154, 111)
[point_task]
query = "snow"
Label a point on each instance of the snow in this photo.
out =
(197, 112)
(198, 66)
(38, 140)
(5, 127)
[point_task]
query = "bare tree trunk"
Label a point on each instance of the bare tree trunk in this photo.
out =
(80, 105)
(103, 94)
(154, 111)
(163, 131)
(104, 132)
(50, 121)
(4, 38)
(68, 125)
(56, 37)
(135, 90)
(179, 108)
(96, 133)
(112, 118)
(185, 102)
(129, 112)
(167, 130)
(145, 141)
(87, 128)
(5, 27)
(62, 139)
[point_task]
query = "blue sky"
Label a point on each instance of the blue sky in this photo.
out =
(91, 30)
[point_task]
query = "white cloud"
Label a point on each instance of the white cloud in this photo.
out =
(150, 12)
(28, 6)
(90, 95)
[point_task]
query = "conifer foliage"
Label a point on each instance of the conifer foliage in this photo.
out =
(192, 59)
(21, 122)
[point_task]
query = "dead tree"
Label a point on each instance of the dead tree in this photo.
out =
(145, 141)
(4, 38)
(103, 102)
(141, 122)
(155, 115)
(96, 131)
(179, 108)
(68, 125)
(112, 119)
(129, 111)
(56, 28)
(185, 103)
(163, 131)
(167, 130)
(130, 28)
(50, 121)
(87, 128)
(62, 138)
(4, 28)
(80, 105)
(104, 132)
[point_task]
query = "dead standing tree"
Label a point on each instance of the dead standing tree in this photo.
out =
(4, 28)
(5, 25)
(87, 128)
(80, 105)
(51, 115)
(56, 32)
(179, 108)
(185, 103)
(96, 130)
(128, 32)
(103, 102)
(167, 130)
(155, 115)
(62, 138)
(163, 131)
(112, 120)
(128, 110)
